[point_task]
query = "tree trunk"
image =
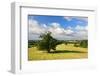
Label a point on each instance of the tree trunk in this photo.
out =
(48, 50)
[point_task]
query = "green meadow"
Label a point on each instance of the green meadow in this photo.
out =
(62, 51)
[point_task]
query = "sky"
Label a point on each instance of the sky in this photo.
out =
(61, 27)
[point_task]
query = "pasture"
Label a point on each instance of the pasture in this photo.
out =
(62, 51)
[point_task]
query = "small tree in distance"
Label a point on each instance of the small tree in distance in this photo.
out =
(48, 42)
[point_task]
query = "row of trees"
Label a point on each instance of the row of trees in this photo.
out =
(32, 43)
(81, 43)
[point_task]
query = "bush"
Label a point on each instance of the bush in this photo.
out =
(84, 43)
(76, 45)
(32, 43)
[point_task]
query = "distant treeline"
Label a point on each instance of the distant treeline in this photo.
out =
(77, 43)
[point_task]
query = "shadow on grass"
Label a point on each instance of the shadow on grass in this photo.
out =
(66, 51)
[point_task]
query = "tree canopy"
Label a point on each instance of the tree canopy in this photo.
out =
(48, 42)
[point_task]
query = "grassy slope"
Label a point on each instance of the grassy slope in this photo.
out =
(62, 52)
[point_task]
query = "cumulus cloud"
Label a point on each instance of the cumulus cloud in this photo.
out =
(82, 18)
(69, 18)
(78, 27)
(81, 32)
(36, 29)
(57, 30)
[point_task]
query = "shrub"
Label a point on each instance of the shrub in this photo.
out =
(84, 43)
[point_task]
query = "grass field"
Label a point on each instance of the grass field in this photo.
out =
(62, 52)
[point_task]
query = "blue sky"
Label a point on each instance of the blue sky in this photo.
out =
(66, 26)
(59, 19)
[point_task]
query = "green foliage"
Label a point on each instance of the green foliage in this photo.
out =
(81, 43)
(48, 42)
(76, 45)
(84, 43)
(32, 43)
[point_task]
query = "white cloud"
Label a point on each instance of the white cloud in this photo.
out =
(82, 18)
(81, 32)
(44, 25)
(36, 29)
(56, 29)
(69, 27)
(86, 28)
(33, 36)
(68, 18)
(68, 31)
(78, 27)
(55, 25)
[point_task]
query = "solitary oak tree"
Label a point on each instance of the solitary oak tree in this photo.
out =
(47, 42)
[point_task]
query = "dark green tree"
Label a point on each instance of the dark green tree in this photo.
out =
(84, 43)
(48, 42)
